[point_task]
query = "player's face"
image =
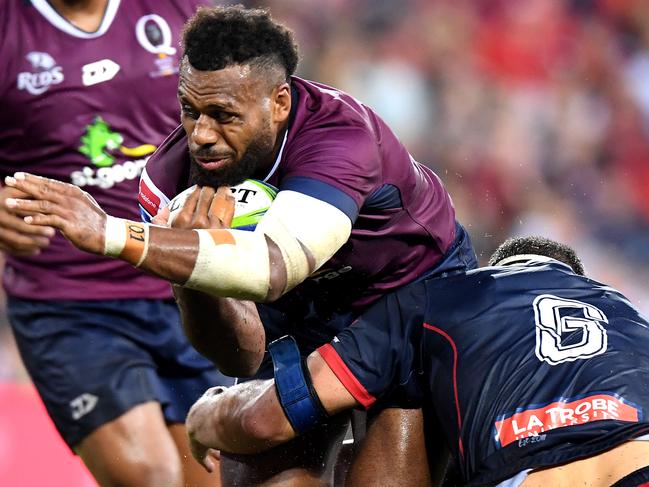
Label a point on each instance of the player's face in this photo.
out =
(232, 120)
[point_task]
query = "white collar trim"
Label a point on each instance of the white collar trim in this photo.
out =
(278, 160)
(55, 18)
(522, 259)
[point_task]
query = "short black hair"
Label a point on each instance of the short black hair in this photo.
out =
(538, 246)
(218, 37)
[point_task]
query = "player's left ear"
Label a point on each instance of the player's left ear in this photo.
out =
(281, 99)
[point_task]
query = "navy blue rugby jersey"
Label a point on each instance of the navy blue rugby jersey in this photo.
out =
(521, 366)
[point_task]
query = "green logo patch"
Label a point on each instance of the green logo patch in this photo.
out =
(99, 139)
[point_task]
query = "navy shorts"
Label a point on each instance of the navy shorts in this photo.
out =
(92, 361)
(460, 257)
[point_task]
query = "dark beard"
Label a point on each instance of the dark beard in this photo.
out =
(252, 160)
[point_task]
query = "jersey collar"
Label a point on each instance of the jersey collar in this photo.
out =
(294, 101)
(279, 158)
(523, 259)
(61, 23)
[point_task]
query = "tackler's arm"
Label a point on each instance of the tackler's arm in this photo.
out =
(258, 415)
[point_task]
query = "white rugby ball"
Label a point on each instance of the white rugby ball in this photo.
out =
(252, 200)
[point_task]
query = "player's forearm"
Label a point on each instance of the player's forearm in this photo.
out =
(171, 253)
(244, 419)
(248, 418)
(225, 330)
(219, 262)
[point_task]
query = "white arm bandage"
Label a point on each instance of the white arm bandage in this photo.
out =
(231, 263)
(295, 220)
(235, 263)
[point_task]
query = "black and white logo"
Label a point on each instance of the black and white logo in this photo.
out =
(98, 72)
(82, 405)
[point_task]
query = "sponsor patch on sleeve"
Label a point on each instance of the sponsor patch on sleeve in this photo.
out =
(147, 199)
(151, 199)
(569, 412)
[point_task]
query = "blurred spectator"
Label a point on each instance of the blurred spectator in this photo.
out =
(535, 112)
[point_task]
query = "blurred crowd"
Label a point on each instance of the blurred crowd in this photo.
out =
(535, 113)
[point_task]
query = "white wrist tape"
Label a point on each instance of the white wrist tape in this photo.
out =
(231, 263)
(126, 240)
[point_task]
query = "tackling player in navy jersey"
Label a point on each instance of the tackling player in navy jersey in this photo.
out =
(355, 218)
(531, 373)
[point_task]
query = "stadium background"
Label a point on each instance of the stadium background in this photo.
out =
(535, 113)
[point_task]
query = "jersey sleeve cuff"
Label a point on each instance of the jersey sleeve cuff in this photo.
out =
(346, 376)
(323, 192)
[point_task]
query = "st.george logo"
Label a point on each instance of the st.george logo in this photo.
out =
(44, 73)
(568, 330)
(98, 141)
(102, 145)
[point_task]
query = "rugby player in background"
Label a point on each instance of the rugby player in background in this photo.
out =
(533, 374)
(355, 218)
(88, 92)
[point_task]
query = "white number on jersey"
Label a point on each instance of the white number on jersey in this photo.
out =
(552, 328)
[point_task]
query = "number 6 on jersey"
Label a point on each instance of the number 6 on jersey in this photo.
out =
(556, 325)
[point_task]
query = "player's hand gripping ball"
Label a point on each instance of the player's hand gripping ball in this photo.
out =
(252, 200)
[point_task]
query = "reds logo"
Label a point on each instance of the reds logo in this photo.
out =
(47, 73)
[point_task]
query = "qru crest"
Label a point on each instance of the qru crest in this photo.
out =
(155, 36)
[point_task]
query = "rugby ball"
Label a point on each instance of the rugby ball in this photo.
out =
(252, 200)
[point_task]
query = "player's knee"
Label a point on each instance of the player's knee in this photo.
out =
(118, 459)
(154, 472)
(142, 469)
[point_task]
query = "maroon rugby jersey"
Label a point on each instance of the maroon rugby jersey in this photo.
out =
(341, 152)
(87, 108)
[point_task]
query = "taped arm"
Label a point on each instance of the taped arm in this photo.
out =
(297, 235)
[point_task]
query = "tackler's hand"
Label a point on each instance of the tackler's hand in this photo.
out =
(199, 425)
(206, 208)
(59, 205)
